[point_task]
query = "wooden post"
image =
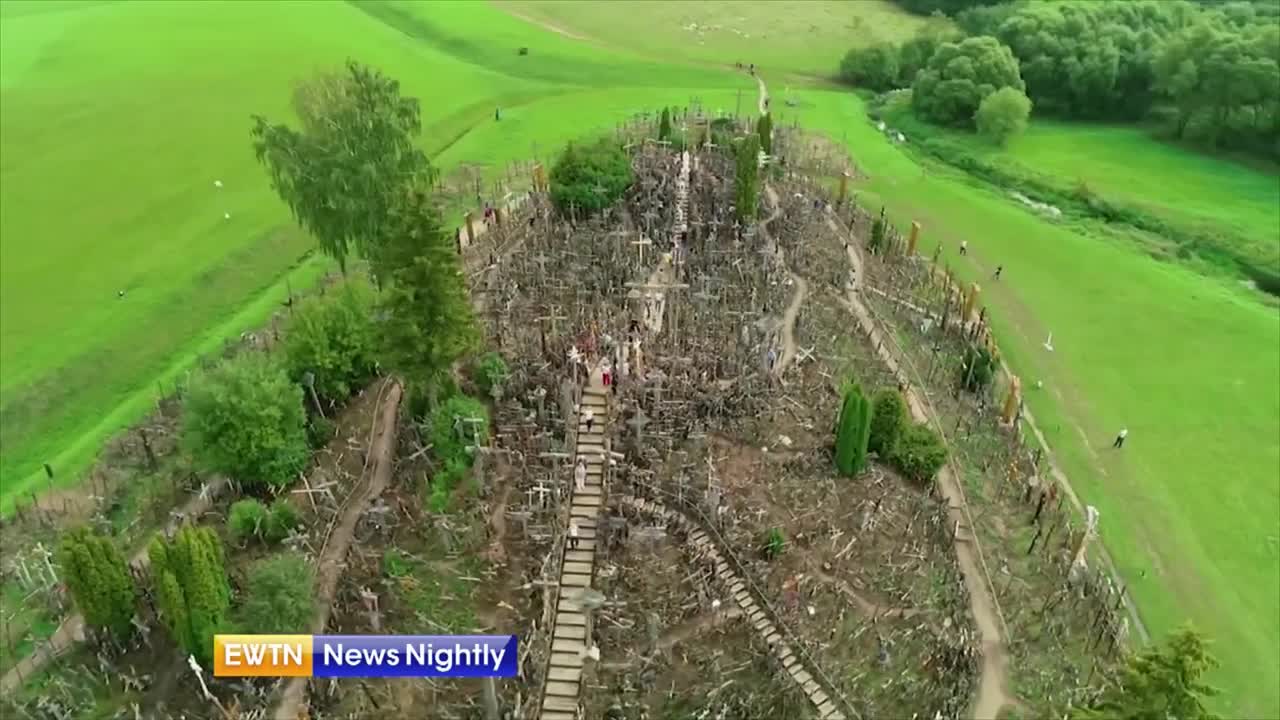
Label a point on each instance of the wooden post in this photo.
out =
(471, 231)
(971, 301)
(915, 238)
(1011, 401)
(844, 187)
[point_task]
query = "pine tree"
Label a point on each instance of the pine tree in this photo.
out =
(878, 233)
(191, 588)
(747, 177)
(764, 128)
(853, 430)
(99, 580)
(664, 125)
(888, 417)
(1162, 681)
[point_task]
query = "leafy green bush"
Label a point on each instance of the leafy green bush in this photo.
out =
(919, 453)
(874, 67)
(853, 430)
(587, 179)
(99, 580)
(246, 519)
(282, 518)
(331, 339)
(888, 417)
(245, 419)
(773, 545)
(960, 75)
(320, 431)
(1003, 114)
(450, 434)
(490, 371)
(278, 598)
(977, 370)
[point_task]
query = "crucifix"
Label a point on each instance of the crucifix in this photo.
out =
(640, 245)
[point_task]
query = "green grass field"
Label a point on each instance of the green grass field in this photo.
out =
(115, 120)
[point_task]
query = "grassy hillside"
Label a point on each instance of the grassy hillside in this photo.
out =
(804, 38)
(117, 119)
(1189, 364)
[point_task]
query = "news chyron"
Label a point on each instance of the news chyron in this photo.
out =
(365, 656)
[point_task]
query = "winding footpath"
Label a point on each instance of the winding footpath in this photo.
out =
(993, 679)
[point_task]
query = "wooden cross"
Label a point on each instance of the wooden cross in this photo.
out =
(640, 245)
(553, 317)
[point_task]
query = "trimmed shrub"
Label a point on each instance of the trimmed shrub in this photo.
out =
(191, 588)
(331, 340)
(589, 178)
(282, 518)
(246, 519)
(919, 453)
(888, 416)
(279, 598)
(853, 430)
(99, 580)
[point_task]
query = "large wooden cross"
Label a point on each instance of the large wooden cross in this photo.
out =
(640, 246)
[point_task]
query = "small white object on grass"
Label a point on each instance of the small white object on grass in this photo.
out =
(217, 183)
(812, 611)
(1048, 343)
(226, 216)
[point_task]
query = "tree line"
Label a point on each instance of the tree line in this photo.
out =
(1208, 72)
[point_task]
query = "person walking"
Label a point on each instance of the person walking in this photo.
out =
(573, 534)
(589, 418)
(964, 247)
(999, 269)
(1119, 443)
(773, 356)
(580, 474)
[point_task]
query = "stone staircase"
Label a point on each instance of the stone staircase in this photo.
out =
(682, 197)
(731, 575)
(570, 628)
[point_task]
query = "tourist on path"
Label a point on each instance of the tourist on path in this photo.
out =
(573, 534)
(580, 474)
(964, 247)
(589, 418)
(999, 269)
(1119, 443)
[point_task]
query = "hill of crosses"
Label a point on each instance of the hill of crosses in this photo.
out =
(711, 562)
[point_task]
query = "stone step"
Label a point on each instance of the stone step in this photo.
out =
(579, 555)
(570, 580)
(826, 710)
(584, 511)
(589, 489)
(566, 617)
(558, 715)
(567, 647)
(570, 632)
(570, 660)
(552, 702)
(572, 675)
(562, 689)
(577, 568)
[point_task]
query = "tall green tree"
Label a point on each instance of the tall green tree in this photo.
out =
(959, 76)
(331, 341)
(874, 67)
(278, 598)
(590, 178)
(764, 129)
(342, 172)
(244, 419)
(1162, 681)
(191, 588)
(664, 125)
(747, 178)
(853, 431)
(424, 318)
(98, 577)
(1002, 115)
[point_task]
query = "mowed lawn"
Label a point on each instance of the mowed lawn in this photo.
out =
(1189, 364)
(118, 119)
(802, 38)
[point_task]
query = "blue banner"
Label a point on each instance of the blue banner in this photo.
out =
(414, 656)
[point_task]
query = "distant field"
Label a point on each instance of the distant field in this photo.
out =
(1189, 364)
(116, 120)
(805, 38)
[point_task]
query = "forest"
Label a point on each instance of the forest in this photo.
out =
(1206, 72)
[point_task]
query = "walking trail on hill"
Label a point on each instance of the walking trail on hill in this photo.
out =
(993, 680)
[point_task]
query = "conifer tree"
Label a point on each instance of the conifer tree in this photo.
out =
(664, 125)
(764, 128)
(99, 580)
(191, 588)
(853, 431)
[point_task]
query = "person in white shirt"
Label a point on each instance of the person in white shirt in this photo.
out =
(573, 534)
(589, 418)
(580, 474)
(1119, 443)
(964, 248)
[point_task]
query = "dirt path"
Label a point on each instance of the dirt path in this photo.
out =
(71, 631)
(333, 554)
(992, 695)
(788, 322)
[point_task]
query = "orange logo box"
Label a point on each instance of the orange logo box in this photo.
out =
(262, 656)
